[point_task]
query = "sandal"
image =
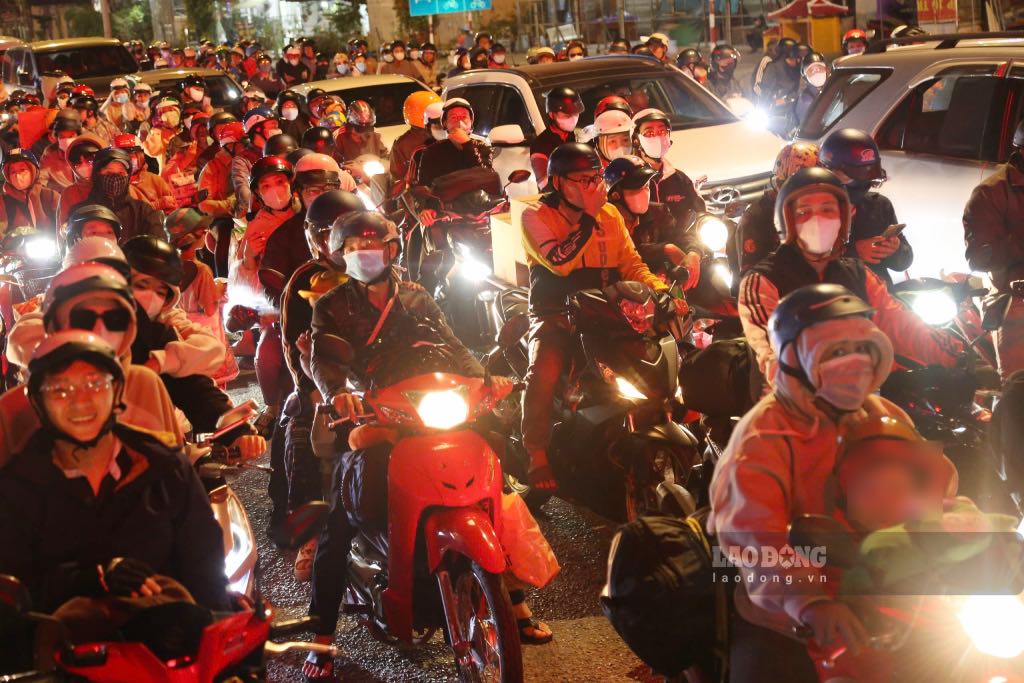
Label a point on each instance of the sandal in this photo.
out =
(304, 561)
(533, 632)
(318, 668)
(542, 478)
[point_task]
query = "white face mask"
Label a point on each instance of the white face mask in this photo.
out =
(389, 58)
(151, 302)
(612, 154)
(196, 94)
(566, 122)
(856, 49)
(846, 381)
(365, 265)
(121, 98)
(341, 68)
(361, 67)
(276, 197)
(438, 133)
(818, 235)
(289, 113)
(499, 59)
(656, 147)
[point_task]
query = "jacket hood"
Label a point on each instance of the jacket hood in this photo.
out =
(806, 355)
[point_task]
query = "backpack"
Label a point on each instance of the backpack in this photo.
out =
(662, 598)
(717, 380)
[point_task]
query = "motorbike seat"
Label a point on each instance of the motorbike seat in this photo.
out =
(170, 631)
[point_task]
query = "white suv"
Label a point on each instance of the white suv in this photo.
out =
(707, 138)
(943, 113)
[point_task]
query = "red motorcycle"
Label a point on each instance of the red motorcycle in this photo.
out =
(170, 643)
(440, 563)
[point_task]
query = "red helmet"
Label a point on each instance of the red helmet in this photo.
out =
(612, 102)
(127, 141)
(268, 165)
(229, 132)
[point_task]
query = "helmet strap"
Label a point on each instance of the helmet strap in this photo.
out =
(795, 372)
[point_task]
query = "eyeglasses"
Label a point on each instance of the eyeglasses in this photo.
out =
(64, 391)
(654, 133)
(115, 320)
(589, 181)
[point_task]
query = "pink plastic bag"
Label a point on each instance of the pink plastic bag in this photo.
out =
(530, 557)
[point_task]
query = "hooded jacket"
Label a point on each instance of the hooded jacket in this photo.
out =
(778, 465)
(38, 204)
(54, 164)
(152, 189)
(994, 224)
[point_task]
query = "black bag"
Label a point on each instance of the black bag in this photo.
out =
(717, 380)
(661, 595)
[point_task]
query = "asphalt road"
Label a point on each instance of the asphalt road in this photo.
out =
(585, 648)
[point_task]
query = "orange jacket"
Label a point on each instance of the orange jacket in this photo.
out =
(215, 178)
(58, 173)
(154, 190)
(74, 194)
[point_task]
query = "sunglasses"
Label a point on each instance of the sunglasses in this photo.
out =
(115, 320)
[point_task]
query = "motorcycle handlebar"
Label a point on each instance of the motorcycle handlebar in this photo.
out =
(293, 626)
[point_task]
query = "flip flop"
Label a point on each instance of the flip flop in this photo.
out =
(324, 666)
(541, 475)
(531, 633)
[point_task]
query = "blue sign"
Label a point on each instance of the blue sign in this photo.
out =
(422, 8)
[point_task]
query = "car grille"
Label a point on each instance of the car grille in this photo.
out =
(734, 193)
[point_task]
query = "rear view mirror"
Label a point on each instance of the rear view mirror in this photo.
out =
(305, 522)
(519, 176)
(509, 134)
(14, 594)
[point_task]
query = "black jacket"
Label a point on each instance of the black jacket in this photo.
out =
(136, 216)
(445, 157)
(296, 318)
(286, 250)
(680, 197)
(874, 214)
(54, 531)
(788, 270)
(346, 313)
(756, 235)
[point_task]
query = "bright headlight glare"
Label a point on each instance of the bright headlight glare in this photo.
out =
(442, 409)
(723, 273)
(713, 234)
(995, 624)
(934, 307)
(40, 249)
(757, 118)
(627, 389)
(474, 270)
(366, 199)
(372, 168)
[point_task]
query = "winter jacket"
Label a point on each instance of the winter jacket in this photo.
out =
(154, 190)
(780, 80)
(136, 216)
(403, 148)
(994, 224)
(54, 163)
(215, 180)
(427, 74)
(400, 68)
(787, 270)
(241, 167)
(296, 318)
(756, 235)
(349, 149)
(446, 157)
(197, 350)
(53, 529)
(676, 191)
(286, 250)
(565, 258)
(874, 214)
(35, 208)
(72, 196)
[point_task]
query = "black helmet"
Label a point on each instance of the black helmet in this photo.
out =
(481, 35)
(360, 223)
(110, 155)
(87, 102)
(571, 157)
(90, 212)
(288, 96)
(280, 145)
(724, 51)
(154, 257)
(82, 147)
(627, 173)
(905, 31)
(813, 58)
(688, 57)
(563, 100)
(193, 81)
(328, 207)
(813, 179)
(787, 48)
(294, 156)
(618, 46)
(266, 166)
(317, 138)
(219, 119)
(428, 47)
(1018, 135)
(808, 306)
(853, 152)
(67, 119)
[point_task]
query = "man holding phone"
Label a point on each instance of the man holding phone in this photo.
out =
(876, 235)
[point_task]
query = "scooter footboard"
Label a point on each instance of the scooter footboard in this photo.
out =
(467, 531)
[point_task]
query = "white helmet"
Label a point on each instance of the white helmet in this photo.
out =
(613, 121)
(433, 113)
(95, 250)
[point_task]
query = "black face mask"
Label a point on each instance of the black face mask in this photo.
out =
(113, 186)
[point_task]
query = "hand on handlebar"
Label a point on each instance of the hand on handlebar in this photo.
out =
(835, 624)
(347, 406)
(428, 217)
(128, 577)
(250, 446)
(501, 387)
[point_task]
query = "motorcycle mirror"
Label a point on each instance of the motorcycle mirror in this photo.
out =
(305, 522)
(14, 594)
(518, 176)
(810, 531)
(272, 280)
(513, 330)
(243, 411)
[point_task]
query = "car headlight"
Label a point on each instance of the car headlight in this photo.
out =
(628, 390)
(757, 118)
(995, 624)
(442, 409)
(373, 167)
(935, 307)
(713, 233)
(41, 249)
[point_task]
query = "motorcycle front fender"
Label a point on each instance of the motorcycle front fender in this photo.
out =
(466, 531)
(672, 433)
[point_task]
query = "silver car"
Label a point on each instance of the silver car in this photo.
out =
(943, 113)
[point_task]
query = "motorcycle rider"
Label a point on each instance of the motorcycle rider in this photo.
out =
(126, 520)
(781, 80)
(563, 106)
(652, 138)
(147, 186)
(359, 136)
(111, 178)
(814, 211)
(993, 228)
(66, 126)
(780, 457)
(117, 108)
(89, 110)
(458, 150)
(413, 110)
(855, 41)
(756, 234)
(289, 111)
(724, 59)
(259, 126)
(573, 239)
(426, 66)
(613, 130)
(853, 156)
(80, 155)
(291, 69)
(688, 60)
(25, 201)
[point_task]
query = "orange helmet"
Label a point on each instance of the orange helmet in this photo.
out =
(791, 158)
(416, 104)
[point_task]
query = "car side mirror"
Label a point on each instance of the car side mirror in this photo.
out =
(508, 135)
(519, 176)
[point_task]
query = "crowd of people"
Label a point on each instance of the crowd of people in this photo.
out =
(181, 228)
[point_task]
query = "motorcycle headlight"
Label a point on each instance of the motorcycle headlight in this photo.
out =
(723, 272)
(628, 390)
(472, 268)
(373, 167)
(442, 409)
(757, 118)
(241, 545)
(995, 624)
(935, 307)
(41, 249)
(713, 233)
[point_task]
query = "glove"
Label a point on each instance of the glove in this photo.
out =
(241, 318)
(125, 576)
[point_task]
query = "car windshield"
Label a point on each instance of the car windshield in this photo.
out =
(88, 61)
(222, 91)
(386, 99)
(842, 92)
(686, 103)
